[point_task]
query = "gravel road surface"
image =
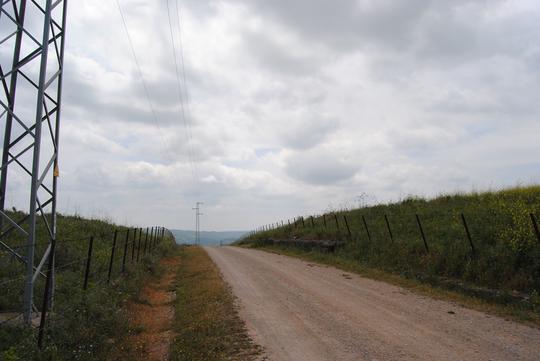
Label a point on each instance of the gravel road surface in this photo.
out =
(300, 311)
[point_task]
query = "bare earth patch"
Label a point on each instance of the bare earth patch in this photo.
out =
(152, 315)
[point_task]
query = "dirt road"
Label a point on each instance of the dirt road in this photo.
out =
(300, 311)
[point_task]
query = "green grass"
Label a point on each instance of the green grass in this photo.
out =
(507, 255)
(84, 325)
(207, 324)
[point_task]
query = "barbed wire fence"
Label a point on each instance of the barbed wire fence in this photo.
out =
(91, 261)
(480, 252)
(330, 222)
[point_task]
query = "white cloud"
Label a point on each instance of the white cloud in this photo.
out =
(295, 106)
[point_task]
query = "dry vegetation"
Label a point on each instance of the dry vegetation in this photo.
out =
(207, 325)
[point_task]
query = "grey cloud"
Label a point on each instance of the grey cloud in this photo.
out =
(310, 131)
(81, 96)
(426, 31)
(455, 35)
(320, 168)
(280, 58)
(349, 24)
(200, 8)
(423, 141)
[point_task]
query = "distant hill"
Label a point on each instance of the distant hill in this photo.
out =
(209, 238)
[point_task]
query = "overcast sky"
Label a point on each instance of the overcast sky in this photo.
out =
(295, 107)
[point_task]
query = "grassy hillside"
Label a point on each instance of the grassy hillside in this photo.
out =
(85, 325)
(506, 252)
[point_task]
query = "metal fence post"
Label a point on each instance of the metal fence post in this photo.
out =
(324, 220)
(366, 226)
(133, 245)
(303, 224)
(125, 251)
(466, 226)
(422, 232)
(535, 226)
(347, 224)
(88, 261)
(139, 244)
(389, 229)
(48, 286)
(145, 240)
(312, 222)
(113, 250)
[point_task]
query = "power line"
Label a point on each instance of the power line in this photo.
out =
(181, 48)
(135, 58)
(145, 87)
(187, 127)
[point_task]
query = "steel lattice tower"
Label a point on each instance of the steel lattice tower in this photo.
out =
(32, 38)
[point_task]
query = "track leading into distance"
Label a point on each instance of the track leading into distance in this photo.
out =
(301, 311)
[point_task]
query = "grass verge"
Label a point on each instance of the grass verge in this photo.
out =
(207, 325)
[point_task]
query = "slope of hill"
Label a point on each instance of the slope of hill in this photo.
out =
(485, 239)
(86, 324)
(208, 238)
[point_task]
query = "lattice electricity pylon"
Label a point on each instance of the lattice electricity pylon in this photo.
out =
(32, 38)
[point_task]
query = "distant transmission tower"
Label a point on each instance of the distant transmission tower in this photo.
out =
(30, 97)
(197, 222)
